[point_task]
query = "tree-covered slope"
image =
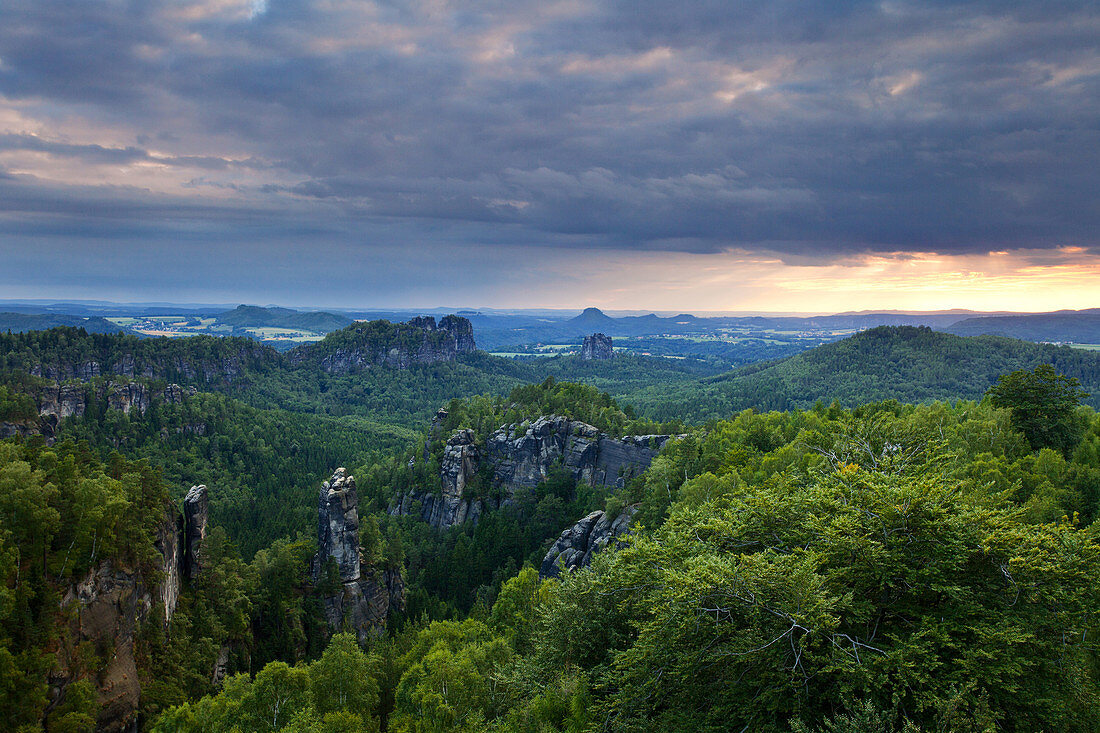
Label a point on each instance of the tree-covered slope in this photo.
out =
(910, 364)
(19, 322)
(244, 316)
(1080, 328)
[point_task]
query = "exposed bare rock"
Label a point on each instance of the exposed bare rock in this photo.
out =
(196, 512)
(127, 396)
(221, 664)
(338, 526)
(577, 544)
(112, 603)
(365, 604)
(523, 456)
(363, 600)
(597, 346)
(106, 608)
(169, 545)
(62, 400)
(399, 345)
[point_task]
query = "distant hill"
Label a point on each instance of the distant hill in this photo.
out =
(910, 364)
(590, 320)
(252, 316)
(22, 322)
(1077, 327)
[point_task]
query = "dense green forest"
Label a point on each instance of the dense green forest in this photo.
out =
(888, 567)
(884, 563)
(907, 363)
(1075, 327)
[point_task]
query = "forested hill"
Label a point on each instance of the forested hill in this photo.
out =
(1075, 327)
(252, 315)
(19, 322)
(910, 364)
(72, 353)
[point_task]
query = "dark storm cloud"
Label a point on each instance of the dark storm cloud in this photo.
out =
(808, 131)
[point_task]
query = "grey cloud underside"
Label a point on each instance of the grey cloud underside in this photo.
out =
(954, 127)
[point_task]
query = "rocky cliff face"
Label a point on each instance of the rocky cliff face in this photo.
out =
(364, 598)
(57, 402)
(109, 605)
(338, 526)
(399, 345)
(196, 511)
(522, 456)
(228, 366)
(577, 544)
(597, 346)
(112, 603)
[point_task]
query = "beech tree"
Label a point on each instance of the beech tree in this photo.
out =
(1043, 403)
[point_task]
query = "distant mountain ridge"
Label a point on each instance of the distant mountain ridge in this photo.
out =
(21, 322)
(1081, 327)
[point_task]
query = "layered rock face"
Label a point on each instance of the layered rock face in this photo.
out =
(112, 603)
(376, 343)
(338, 526)
(577, 544)
(523, 456)
(57, 402)
(461, 460)
(227, 368)
(196, 511)
(364, 599)
(597, 346)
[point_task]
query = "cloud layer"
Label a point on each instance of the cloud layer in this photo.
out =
(398, 130)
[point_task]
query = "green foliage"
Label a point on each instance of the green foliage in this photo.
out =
(904, 363)
(1043, 404)
(62, 512)
(336, 694)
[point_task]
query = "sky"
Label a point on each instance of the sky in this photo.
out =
(626, 154)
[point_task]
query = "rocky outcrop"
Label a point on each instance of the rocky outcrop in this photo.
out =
(597, 346)
(215, 361)
(461, 330)
(577, 544)
(106, 609)
(523, 456)
(398, 345)
(365, 596)
(196, 512)
(112, 603)
(338, 527)
(57, 402)
(169, 543)
(364, 605)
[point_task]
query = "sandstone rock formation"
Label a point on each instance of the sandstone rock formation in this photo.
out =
(522, 456)
(338, 526)
(107, 608)
(57, 402)
(196, 511)
(169, 543)
(365, 595)
(174, 363)
(597, 346)
(577, 544)
(399, 345)
(112, 604)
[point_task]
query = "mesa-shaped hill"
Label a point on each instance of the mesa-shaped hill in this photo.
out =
(374, 343)
(245, 316)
